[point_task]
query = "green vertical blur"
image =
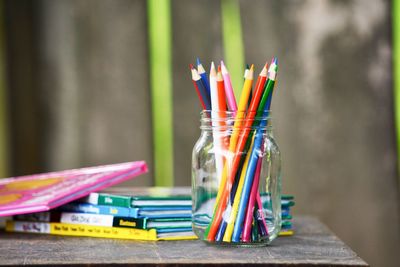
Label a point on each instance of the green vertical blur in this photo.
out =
(3, 101)
(396, 73)
(233, 43)
(160, 50)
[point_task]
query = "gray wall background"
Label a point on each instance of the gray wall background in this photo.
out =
(79, 95)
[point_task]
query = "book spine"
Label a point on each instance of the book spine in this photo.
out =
(102, 231)
(112, 200)
(92, 198)
(103, 220)
(45, 216)
(100, 209)
(28, 227)
(87, 219)
(129, 222)
(82, 230)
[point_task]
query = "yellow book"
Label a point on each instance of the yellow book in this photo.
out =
(81, 230)
(286, 233)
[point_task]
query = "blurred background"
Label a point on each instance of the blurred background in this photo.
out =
(90, 82)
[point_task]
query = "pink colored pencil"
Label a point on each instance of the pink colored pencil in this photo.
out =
(228, 88)
(246, 236)
(261, 219)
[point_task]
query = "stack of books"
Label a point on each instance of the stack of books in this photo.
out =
(152, 214)
(139, 214)
(287, 227)
(65, 203)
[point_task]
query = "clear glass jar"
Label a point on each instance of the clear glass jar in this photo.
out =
(236, 180)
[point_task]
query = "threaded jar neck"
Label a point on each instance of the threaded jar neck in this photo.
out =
(228, 120)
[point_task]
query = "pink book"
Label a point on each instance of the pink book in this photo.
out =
(41, 192)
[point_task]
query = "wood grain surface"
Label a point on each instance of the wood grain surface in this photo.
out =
(312, 245)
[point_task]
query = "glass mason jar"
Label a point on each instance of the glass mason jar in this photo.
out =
(236, 180)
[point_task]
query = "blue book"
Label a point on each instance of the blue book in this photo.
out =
(174, 230)
(145, 212)
(99, 209)
(165, 212)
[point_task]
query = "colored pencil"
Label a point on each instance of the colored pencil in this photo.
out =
(248, 222)
(204, 78)
(199, 85)
(260, 216)
(221, 92)
(222, 107)
(224, 191)
(197, 89)
(228, 88)
(219, 164)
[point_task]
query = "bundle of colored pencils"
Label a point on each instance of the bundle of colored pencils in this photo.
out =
(238, 208)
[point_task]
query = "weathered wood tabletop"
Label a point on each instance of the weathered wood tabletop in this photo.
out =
(312, 245)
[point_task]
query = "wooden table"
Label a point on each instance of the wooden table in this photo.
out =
(312, 245)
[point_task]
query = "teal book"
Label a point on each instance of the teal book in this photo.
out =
(161, 201)
(169, 223)
(107, 199)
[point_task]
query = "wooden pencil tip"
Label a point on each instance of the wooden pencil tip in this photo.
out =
(223, 68)
(212, 70)
(219, 76)
(250, 73)
(219, 68)
(191, 66)
(264, 72)
(198, 61)
(195, 75)
(212, 65)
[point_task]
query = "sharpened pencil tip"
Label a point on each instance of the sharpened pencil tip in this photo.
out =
(191, 66)
(223, 68)
(247, 67)
(198, 61)
(264, 71)
(212, 70)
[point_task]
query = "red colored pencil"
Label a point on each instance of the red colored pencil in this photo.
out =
(192, 69)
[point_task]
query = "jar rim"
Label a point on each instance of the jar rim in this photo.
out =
(232, 114)
(225, 120)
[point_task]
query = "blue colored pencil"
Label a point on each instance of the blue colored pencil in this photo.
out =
(204, 77)
(221, 231)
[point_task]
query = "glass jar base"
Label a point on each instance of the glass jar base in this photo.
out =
(237, 244)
